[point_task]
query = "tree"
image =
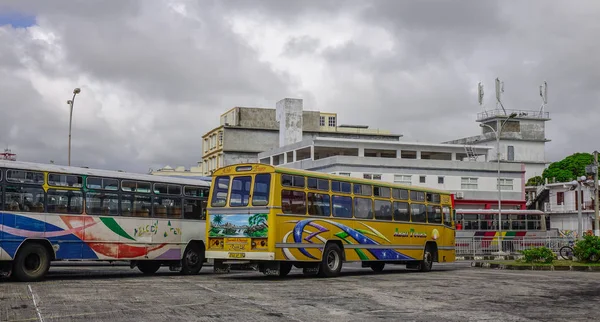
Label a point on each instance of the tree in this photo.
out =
(568, 168)
(535, 181)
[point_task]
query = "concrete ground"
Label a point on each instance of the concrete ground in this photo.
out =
(453, 292)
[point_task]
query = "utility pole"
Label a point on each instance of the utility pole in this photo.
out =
(596, 217)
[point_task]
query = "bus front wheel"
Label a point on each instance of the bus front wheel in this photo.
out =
(31, 263)
(331, 264)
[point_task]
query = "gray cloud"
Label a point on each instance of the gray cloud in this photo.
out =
(156, 75)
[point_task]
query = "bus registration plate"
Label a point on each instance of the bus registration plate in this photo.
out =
(237, 255)
(237, 244)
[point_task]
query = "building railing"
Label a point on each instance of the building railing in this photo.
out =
(478, 246)
(352, 130)
(520, 113)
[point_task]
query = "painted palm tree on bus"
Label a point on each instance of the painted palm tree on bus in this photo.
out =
(258, 219)
(217, 219)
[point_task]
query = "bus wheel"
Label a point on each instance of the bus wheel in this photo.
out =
(427, 262)
(377, 267)
(31, 263)
(284, 268)
(148, 267)
(331, 264)
(193, 259)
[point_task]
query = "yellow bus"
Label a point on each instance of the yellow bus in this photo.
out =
(275, 218)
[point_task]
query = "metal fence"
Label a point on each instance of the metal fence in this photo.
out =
(477, 246)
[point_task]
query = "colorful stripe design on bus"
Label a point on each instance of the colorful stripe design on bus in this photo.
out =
(77, 241)
(358, 236)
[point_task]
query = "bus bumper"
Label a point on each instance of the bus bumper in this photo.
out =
(240, 256)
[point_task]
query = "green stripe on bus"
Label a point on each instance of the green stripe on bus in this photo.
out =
(343, 235)
(111, 223)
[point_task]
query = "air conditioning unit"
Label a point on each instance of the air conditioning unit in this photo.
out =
(460, 195)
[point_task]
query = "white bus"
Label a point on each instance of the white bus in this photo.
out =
(53, 213)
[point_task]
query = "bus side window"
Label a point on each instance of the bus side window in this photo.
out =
(293, 202)
(418, 212)
(401, 211)
(342, 206)
(193, 209)
(23, 198)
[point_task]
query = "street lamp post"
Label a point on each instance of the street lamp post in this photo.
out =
(578, 183)
(71, 102)
(497, 134)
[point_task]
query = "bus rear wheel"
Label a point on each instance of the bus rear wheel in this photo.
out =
(377, 267)
(193, 259)
(426, 264)
(31, 263)
(148, 267)
(284, 268)
(331, 264)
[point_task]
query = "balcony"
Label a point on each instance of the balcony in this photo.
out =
(520, 114)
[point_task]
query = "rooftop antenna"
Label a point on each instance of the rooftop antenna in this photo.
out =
(480, 93)
(499, 91)
(544, 95)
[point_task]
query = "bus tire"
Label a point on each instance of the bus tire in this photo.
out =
(193, 259)
(426, 263)
(31, 263)
(331, 263)
(148, 267)
(377, 267)
(284, 268)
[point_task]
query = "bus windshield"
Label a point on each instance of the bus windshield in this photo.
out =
(241, 191)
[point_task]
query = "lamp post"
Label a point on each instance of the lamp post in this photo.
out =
(497, 134)
(578, 183)
(71, 102)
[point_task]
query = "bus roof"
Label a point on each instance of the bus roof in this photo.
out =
(20, 165)
(321, 175)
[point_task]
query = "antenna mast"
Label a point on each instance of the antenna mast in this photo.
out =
(499, 91)
(480, 93)
(544, 96)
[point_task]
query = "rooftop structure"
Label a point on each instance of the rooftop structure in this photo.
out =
(246, 131)
(522, 138)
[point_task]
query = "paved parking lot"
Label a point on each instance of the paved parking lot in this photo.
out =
(453, 292)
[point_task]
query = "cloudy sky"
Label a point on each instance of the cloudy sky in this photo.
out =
(155, 75)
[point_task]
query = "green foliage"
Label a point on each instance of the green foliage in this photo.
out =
(535, 181)
(568, 168)
(538, 255)
(587, 249)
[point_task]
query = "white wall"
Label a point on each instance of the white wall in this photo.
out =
(451, 183)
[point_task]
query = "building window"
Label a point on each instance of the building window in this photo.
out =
(422, 179)
(220, 138)
(560, 198)
(322, 121)
(506, 184)
(372, 176)
(402, 179)
(440, 180)
(510, 153)
(468, 183)
(347, 174)
(205, 145)
(332, 121)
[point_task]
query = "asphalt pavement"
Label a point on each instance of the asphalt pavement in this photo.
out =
(452, 292)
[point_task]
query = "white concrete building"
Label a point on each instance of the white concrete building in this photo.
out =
(560, 202)
(522, 138)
